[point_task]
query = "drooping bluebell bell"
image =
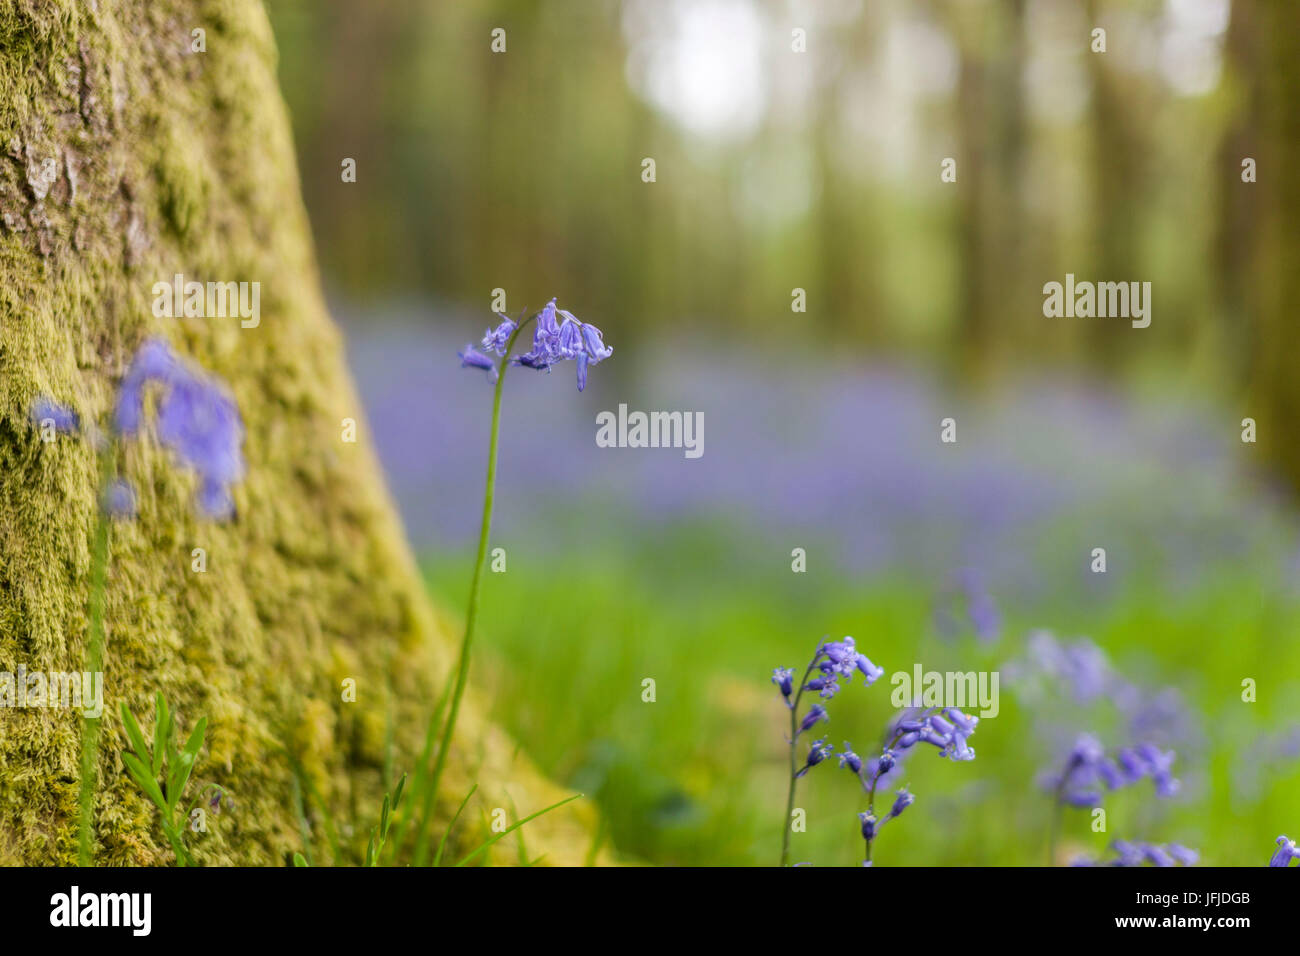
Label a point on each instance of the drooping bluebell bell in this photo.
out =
(196, 419)
(849, 759)
(902, 800)
(1286, 852)
(471, 357)
(783, 678)
(61, 418)
(868, 825)
(819, 751)
(815, 713)
(560, 339)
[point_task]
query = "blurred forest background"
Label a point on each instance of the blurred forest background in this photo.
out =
(820, 170)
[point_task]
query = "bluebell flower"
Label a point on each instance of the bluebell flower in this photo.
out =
(119, 500)
(815, 713)
(849, 759)
(196, 419)
(560, 336)
(819, 751)
(827, 686)
(496, 340)
(902, 800)
(471, 357)
(1286, 852)
(47, 410)
(868, 826)
(783, 678)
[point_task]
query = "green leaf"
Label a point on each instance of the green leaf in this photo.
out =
(133, 733)
(442, 842)
(483, 847)
(161, 732)
(179, 774)
(140, 773)
(300, 860)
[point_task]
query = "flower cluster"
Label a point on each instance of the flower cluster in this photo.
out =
(832, 662)
(1088, 770)
(196, 419)
(1286, 852)
(559, 336)
(1138, 854)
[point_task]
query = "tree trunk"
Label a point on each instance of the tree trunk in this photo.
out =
(127, 158)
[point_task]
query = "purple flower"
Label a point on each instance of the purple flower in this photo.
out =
(561, 339)
(849, 759)
(46, 410)
(1286, 852)
(1087, 769)
(783, 678)
(497, 339)
(471, 357)
(827, 686)
(196, 419)
(815, 713)
(819, 751)
(868, 826)
(1139, 853)
(119, 500)
(902, 801)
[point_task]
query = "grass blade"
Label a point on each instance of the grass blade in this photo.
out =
(483, 848)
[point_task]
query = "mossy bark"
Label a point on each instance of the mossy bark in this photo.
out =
(166, 161)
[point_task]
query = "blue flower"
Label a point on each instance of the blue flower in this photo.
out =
(196, 419)
(902, 801)
(1138, 853)
(819, 751)
(471, 357)
(1286, 852)
(868, 826)
(497, 339)
(119, 500)
(815, 713)
(849, 759)
(46, 410)
(562, 339)
(783, 678)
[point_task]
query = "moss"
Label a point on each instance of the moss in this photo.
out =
(170, 162)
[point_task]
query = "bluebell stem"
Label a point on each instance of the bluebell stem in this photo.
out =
(833, 662)
(552, 342)
(1286, 852)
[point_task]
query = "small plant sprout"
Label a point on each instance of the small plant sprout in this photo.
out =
(166, 763)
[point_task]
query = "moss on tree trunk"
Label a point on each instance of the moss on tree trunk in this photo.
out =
(125, 158)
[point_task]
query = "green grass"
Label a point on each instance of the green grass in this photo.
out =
(698, 776)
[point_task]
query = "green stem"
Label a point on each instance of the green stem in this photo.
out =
(94, 662)
(471, 616)
(794, 779)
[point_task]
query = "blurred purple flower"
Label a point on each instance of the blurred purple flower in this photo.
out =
(47, 410)
(196, 419)
(1286, 852)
